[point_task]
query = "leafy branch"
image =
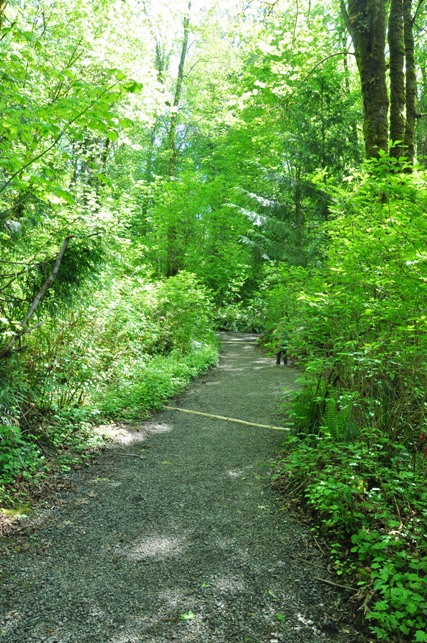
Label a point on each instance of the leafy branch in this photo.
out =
(60, 135)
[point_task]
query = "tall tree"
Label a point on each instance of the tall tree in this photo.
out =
(173, 125)
(172, 264)
(397, 77)
(366, 21)
(411, 78)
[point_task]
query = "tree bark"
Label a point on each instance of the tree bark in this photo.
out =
(411, 80)
(172, 144)
(397, 79)
(366, 21)
(354, 137)
(421, 133)
(172, 263)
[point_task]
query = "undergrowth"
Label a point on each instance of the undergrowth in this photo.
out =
(158, 379)
(137, 344)
(372, 507)
(358, 458)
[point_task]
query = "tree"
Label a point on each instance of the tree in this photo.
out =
(367, 23)
(397, 78)
(172, 265)
(61, 112)
(411, 77)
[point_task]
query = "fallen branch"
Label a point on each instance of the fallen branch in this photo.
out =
(49, 281)
(329, 582)
(314, 538)
(226, 419)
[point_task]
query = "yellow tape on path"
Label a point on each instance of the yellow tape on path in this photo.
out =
(222, 417)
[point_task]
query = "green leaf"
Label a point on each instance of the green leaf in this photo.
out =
(133, 87)
(187, 617)
(104, 179)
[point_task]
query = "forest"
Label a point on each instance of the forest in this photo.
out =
(173, 168)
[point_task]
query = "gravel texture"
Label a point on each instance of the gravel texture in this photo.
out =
(175, 533)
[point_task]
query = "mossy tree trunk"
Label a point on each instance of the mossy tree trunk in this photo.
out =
(411, 80)
(421, 134)
(397, 78)
(366, 21)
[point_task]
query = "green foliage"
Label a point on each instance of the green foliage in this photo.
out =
(184, 312)
(153, 382)
(398, 577)
(358, 326)
(375, 513)
(45, 442)
(137, 343)
(359, 323)
(193, 211)
(244, 316)
(17, 456)
(253, 217)
(156, 339)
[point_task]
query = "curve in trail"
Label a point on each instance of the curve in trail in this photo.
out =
(175, 534)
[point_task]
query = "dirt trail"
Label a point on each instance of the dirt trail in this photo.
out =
(175, 534)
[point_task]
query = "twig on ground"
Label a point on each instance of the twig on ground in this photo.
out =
(227, 419)
(314, 538)
(329, 582)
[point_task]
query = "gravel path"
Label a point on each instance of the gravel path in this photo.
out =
(178, 518)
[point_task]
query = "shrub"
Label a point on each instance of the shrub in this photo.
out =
(134, 345)
(158, 379)
(358, 325)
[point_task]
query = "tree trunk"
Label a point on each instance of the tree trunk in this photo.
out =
(354, 137)
(421, 133)
(172, 262)
(5, 351)
(160, 64)
(172, 144)
(397, 79)
(366, 21)
(411, 80)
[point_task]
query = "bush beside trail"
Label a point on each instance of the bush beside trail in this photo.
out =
(138, 343)
(357, 327)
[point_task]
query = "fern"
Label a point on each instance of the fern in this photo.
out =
(336, 420)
